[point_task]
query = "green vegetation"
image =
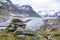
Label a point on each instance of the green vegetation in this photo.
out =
(5, 35)
(57, 38)
(40, 38)
(29, 38)
(8, 35)
(54, 34)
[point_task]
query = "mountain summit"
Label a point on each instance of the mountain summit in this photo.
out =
(28, 10)
(24, 10)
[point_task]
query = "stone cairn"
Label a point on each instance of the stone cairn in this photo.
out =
(15, 23)
(19, 28)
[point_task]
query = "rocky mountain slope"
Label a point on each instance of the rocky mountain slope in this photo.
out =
(28, 10)
(4, 15)
(25, 9)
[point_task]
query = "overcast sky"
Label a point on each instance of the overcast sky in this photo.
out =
(40, 4)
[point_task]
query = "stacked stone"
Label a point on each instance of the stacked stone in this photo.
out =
(15, 23)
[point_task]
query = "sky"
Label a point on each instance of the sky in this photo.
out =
(38, 5)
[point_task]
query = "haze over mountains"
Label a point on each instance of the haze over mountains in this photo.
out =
(49, 13)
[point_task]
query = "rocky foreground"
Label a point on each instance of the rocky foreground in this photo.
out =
(17, 31)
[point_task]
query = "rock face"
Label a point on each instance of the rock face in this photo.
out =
(51, 24)
(28, 10)
(25, 10)
(4, 12)
(4, 15)
(9, 5)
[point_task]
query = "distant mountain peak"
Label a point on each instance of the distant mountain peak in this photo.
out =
(26, 7)
(26, 10)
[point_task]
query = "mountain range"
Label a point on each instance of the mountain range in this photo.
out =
(24, 9)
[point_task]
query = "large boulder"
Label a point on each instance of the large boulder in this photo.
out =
(24, 31)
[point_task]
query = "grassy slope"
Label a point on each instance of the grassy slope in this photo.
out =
(55, 34)
(6, 35)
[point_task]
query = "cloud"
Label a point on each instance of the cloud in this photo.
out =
(39, 4)
(55, 6)
(56, 0)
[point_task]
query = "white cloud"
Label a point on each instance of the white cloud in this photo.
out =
(56, 0)
(55, 6)
(39, 4)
